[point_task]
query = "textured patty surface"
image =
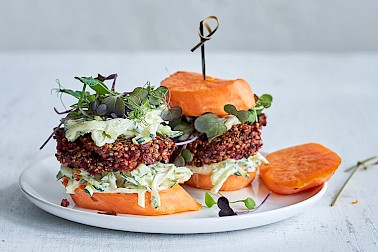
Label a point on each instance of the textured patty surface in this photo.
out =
(241, 141)
(121, 155)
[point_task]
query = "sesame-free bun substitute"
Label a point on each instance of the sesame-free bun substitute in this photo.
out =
(197, 96)
(173, 200)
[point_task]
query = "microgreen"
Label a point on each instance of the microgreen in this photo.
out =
(171, 114)
(179, 161)
(224, 204)
(107, 103)
(264, 101)
(242, 115)
(187, 155)
(95, 84)
(211, 125)
(248, 202)
(209, 201)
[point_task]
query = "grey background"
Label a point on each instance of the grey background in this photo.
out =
(270, 25)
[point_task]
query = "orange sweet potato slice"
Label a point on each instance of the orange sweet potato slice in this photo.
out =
(196, 96)
(299, 168)
(173, 200)
(203, 181)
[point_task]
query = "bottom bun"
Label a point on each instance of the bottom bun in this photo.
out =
(203, 181)
(173, 200)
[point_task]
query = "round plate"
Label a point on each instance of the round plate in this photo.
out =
(39, 185)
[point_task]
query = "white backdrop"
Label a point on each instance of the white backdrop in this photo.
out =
(270, 25)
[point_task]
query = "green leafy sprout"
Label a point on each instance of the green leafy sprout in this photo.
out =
(108, 103)
(105, 102)
(248, 202)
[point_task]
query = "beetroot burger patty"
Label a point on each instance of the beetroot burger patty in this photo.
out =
(121, 155)
(241, 141)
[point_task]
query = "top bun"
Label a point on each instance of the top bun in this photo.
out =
(197, 96)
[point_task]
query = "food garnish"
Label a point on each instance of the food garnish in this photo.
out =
(224, 204)
(107, 103)
(359, 165)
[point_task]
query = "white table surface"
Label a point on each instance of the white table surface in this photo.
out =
(327, 98)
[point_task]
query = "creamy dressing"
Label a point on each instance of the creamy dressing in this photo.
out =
(230, 121)
(145, 178)
(107, 131)
(222, 170)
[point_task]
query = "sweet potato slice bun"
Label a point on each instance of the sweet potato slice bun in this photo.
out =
(173, 200)
(197, 96)
(232, 183)
(299, 168)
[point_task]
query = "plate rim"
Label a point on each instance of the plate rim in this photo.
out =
(149, 219)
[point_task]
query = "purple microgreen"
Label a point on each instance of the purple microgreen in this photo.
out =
(110, 77)
(93, 105)
(187, 141)
(113, 115)
(51, 135)
(102, 110)
(256, 208)
(224, 206)
(63, 112)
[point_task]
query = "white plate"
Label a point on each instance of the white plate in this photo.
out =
(39, 185)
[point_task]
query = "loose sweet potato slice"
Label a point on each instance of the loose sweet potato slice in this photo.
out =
(196, 96)
(203, 181)
(173, 200)
(299, 168)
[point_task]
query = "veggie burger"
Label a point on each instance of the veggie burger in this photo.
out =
(114, 149)
(221, 127)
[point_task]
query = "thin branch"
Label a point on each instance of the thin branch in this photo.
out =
(51, 135)
(360, 162)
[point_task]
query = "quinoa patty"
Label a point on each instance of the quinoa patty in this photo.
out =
(241, 141)
(121, 155)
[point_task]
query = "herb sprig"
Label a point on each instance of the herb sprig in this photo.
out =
(369, 162)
